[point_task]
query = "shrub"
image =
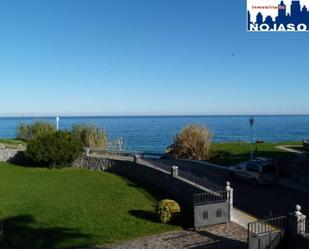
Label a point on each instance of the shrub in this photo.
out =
(90, 136)
(26, 132)
(168, 211)
(56, 149)
(192, 142)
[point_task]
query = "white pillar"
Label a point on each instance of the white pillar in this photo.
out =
(136, 158)
(301, 220)
(229, 193)
(57, 123)
(174, 171)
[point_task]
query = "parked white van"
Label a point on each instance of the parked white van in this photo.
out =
(260, 171)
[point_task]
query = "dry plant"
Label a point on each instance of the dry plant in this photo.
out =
(90, 136)
(192, 142)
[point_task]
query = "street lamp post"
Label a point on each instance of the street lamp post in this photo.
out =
(57, 123)
(251, 122)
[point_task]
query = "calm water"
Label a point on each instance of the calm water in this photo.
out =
(153, 134)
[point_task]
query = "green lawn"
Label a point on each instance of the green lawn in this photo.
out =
(69, 208)
(233, 153)
(12, 142)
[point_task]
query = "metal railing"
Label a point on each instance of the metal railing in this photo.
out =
(268, 225)
(209, 198)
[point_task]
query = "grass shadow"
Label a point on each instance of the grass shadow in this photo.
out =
(150, 192)
(21, 160)
(23, 232)
(185, 220)
(145, 215)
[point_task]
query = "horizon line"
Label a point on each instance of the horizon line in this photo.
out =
(143, 115)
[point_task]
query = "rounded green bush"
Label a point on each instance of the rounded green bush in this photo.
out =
(56, 149)
(168, 210)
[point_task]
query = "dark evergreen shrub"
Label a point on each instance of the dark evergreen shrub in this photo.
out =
(58, 149)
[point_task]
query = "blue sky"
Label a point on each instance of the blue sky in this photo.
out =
(146, 57)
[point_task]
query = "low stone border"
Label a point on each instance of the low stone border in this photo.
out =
(94, 163)
(8, 153)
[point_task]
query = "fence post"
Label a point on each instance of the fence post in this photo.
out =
(297, 222)
(229, 199)
(174, 171)
(296, 227)
(87, 152)
(136, 158)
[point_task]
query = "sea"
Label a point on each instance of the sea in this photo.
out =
(155, 133)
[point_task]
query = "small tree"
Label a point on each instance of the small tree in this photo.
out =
(192, 142)
(26, 132)
(56, 149)
(90, 136)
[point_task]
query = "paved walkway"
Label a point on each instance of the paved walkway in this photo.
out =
(241, 218)
(298, 153)
(223, 236)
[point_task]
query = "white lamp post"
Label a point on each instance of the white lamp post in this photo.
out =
(57, 123)
(251, 122)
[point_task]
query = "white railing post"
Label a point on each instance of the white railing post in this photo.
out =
(57, 123)
(174, 171)
(301, 220)
(87, 152)
(136, 158)
(297, 222)
(229, 197)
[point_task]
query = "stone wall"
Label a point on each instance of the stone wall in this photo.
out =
(180, 189)
(94, 163)
(7, 153)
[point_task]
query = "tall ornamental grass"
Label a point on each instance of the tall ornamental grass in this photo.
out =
(193, 142)
(27, 132)
(90, 136)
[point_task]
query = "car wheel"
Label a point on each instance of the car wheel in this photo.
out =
(254, 183)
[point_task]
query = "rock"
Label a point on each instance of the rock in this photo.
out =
(95, 163)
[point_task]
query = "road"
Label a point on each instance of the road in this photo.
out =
(259, 202)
